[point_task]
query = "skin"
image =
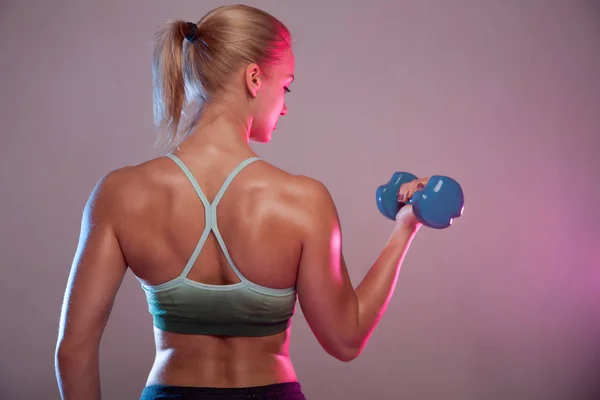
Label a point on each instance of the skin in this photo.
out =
(408, 189)
(280, 229)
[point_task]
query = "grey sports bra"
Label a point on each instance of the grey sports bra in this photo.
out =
(241, 309)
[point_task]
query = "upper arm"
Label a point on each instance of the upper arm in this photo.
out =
(325, 292)
(96, 273)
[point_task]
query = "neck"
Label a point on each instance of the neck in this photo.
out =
(220, 129)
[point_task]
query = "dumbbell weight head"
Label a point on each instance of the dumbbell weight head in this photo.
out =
(438, 203)
(435, 206)
(387, 194)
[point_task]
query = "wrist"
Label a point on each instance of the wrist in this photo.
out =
(407, 228)
(403, 234)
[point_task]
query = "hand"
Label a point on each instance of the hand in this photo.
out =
(406, 218)
(407, 189)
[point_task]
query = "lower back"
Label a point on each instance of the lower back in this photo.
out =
(212, 361)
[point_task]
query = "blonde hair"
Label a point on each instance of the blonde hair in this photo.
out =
(193, 62)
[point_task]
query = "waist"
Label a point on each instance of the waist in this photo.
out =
(288, 390)
(226, 362)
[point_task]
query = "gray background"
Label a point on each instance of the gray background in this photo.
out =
(502, 95)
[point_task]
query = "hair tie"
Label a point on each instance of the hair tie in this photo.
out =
(192, 31)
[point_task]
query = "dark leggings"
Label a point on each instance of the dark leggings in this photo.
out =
(279, 391)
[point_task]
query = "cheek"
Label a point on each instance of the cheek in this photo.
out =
(271, 107)
(280, 103)
(275, 105)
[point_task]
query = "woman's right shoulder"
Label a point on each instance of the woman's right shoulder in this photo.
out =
(313, 189)
(313, 197)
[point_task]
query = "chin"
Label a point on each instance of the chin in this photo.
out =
(266, 138)
(262, 137)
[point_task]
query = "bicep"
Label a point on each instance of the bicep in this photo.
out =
(325, 292)
(96, 274)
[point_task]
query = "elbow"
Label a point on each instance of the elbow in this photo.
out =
(346, 358)
(347, 354)
(66, 354)
(64, 358)
(64, 361)
(344, 349)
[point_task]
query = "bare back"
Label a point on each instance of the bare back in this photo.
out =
(260, 220)
(282, 232)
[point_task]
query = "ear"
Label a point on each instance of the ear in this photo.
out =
(253, 79)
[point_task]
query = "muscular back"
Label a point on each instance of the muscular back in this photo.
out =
(259, 218)
(262, 220)
(281, 230)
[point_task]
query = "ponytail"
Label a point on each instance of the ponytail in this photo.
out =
(167, 76)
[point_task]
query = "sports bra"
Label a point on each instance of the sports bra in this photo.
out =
(182, 305)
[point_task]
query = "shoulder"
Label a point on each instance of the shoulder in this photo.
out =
(312, 189)
(301, 187)
(107, 193)
(313, 198)
(118, 191)
(303, 196)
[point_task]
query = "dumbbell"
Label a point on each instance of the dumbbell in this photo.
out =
(435, 205)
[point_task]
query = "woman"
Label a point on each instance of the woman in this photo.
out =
(221, 282)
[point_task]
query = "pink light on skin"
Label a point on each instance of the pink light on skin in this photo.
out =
(276, 85)
(335, 245)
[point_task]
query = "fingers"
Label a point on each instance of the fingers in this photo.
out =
(408, 189)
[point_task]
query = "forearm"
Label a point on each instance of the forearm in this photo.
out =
(376, 289)
(78, 375)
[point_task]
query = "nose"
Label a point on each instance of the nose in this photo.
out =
(284, 110)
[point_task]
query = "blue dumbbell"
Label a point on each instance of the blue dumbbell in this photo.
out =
(435, 206)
